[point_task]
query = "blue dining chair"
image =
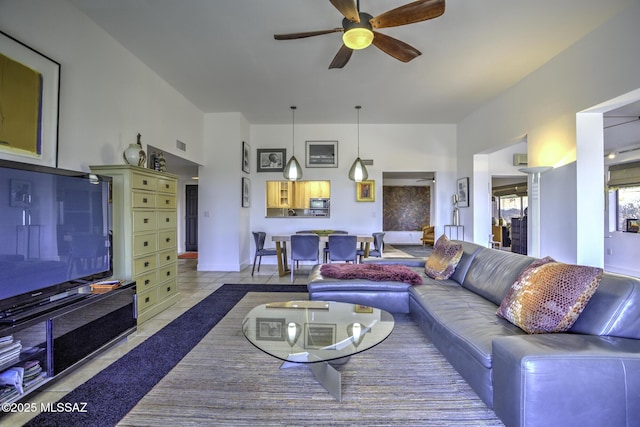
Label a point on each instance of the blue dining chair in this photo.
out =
(325, 250)
(378, 243)
(343, 247)
(304, 247)
(259, 237)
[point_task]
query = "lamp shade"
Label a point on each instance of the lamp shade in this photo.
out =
(358, 171)
(357, 38)
(292, 170)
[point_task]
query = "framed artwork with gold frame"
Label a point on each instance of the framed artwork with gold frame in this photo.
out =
(366, 191)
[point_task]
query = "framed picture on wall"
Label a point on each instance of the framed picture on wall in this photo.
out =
(463, 192)
(30, 101)
(366, 191)
(271, 159)
(246, 192)
(245, 157)
(322, 154)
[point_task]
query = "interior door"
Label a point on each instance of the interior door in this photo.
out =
(191, 218)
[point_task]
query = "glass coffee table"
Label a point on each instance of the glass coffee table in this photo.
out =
(320, 334)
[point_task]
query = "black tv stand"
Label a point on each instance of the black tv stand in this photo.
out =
(25, 313)
(63, 333)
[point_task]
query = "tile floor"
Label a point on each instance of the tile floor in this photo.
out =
(193, 286)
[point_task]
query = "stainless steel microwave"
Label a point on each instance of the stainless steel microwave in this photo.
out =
(318, 203)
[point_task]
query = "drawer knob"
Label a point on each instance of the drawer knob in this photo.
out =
(144, 200)
(145, 244)
(145, 182)
(168, 257)
(166, 202)
(168, 239)
(146, 220)
(146, 264)
(168, 289)
(166, 186)
(168, 273)
(146, 299)
(166, 219)
(146, 282)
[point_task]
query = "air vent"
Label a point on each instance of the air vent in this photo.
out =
(520, 159)
(181, 145)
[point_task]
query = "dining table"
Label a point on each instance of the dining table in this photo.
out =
(281, 247)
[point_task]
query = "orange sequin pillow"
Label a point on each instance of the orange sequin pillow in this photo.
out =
(548, 296)
(444, 259)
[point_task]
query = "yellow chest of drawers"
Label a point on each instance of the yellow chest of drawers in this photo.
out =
(145, 234)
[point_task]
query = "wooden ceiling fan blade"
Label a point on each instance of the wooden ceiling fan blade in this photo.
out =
(341, 58)
(394, 47)
(417, 11)
(293, 36)
(347, 8)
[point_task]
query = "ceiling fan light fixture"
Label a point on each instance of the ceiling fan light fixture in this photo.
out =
(292, 170)
(357, 38)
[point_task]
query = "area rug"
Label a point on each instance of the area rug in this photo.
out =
(417, 251)
(188, 255)
(111, 393)
(226, 381)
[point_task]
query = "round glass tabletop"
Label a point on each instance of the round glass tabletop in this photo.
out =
(315, 331)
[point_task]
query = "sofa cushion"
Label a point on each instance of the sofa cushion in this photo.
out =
(548, 296)
(492, 272)
(443, 260)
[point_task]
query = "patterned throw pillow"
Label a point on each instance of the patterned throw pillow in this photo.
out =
(548, 296)
(444, 259)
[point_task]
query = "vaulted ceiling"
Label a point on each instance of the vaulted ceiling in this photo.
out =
(222, 55)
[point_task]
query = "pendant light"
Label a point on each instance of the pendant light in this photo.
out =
(292, 170)
(358, 172)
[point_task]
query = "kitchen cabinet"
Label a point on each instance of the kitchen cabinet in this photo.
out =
(278, 194)
(295, 195)
(305, 190)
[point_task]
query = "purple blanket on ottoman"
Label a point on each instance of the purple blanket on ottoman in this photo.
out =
(375, 272)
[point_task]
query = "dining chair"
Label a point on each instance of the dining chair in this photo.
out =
(378, 243)
(304, 247)
(325, 250)
(343, 247)
(259, 237)
(428, 235)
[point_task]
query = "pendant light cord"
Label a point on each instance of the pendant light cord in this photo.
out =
(293, 130)
(358, 107)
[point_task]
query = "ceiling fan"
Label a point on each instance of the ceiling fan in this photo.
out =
(358, 28)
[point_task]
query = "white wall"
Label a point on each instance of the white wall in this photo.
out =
(543, 106)
(223, 225)
(107, 95)
(392, 147)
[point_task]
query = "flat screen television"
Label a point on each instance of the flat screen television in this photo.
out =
(55, 234)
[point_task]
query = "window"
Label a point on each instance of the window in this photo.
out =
(512, 207)
(627, 205)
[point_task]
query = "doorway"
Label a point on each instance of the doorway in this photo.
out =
(191, 218)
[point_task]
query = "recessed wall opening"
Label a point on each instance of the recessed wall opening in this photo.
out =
(407, 205)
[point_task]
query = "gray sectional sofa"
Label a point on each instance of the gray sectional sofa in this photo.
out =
(588, 376)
